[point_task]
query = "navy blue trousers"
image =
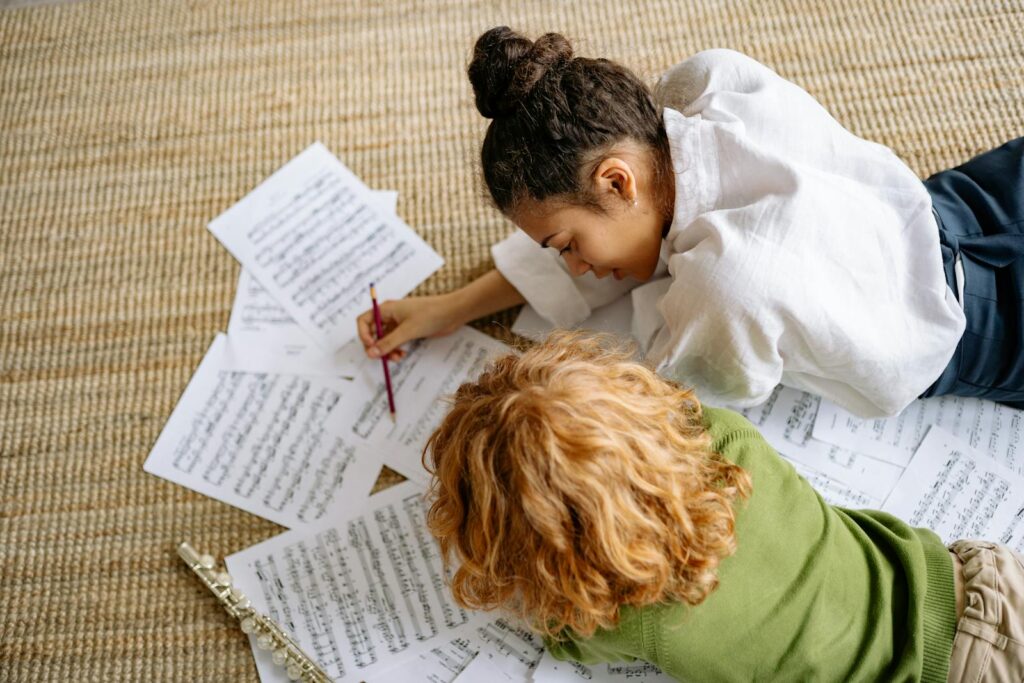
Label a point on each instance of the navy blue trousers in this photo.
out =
(979, 207)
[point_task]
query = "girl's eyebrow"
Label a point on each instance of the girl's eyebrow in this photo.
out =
(544, 242)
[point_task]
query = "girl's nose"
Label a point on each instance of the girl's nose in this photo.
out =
(577, 266)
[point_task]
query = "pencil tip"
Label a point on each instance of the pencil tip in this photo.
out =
(393, 417)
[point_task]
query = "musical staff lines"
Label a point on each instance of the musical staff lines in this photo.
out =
(314, 236)
(364, 591)
(268, 443)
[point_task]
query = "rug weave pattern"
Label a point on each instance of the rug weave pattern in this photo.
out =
(126, 126)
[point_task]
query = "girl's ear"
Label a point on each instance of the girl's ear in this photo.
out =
(614, 176)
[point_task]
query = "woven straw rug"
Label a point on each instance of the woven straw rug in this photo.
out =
(126, 126)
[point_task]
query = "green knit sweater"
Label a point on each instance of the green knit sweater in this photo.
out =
(813, 592)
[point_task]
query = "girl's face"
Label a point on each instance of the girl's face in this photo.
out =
(623, 242)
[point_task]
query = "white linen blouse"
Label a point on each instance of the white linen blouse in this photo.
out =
(798, 253)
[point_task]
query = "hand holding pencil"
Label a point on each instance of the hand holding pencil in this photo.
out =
(404, 320)
(379, 325)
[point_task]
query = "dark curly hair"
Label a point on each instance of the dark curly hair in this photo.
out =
(553, 117)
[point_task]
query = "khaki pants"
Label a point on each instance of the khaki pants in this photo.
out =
(989, 642)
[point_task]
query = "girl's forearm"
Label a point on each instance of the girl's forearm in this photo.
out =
(488, 294)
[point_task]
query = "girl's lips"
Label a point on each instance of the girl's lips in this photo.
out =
(617, 274)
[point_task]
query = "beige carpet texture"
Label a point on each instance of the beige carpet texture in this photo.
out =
(126, 126)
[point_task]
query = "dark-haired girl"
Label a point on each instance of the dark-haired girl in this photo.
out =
(761, 241)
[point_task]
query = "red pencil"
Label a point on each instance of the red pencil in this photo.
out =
(383, 359)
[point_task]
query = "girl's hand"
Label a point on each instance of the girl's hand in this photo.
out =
(407, 319)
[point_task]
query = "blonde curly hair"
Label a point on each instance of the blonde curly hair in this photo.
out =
(571, 480)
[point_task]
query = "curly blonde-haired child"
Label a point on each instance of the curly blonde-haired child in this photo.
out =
(603, 504)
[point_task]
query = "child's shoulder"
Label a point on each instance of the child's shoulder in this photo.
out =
(726, 426)
(722, 420)
(710, 70)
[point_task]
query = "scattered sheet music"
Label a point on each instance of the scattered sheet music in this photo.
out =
(785, 420)
(482, 669)
(989, 427)
(270, 337)
(511, 652)
(268, 443)
(265, 336)
(423, 380)
(959, 493)
(356, 594)
(551, 670)
(312, 235)
(834, 491)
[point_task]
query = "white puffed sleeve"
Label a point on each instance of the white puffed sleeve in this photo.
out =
(544, 281)
(717, 338)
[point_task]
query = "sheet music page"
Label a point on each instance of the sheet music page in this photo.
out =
(615, 318)
(989, 427)
(482, 669)
(268, 337)
(356, 594)
(513, 652)
(441, 664)
(956, 491)
(313, 237)
(551, 670)
(835, 492)
(263, 336)
(786, 419)
(422, 383)
(263, 442)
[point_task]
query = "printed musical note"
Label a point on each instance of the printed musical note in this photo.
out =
(315, 238)
(267, 443)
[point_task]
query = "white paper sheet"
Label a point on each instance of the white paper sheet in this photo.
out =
(312, 236)
(835, 492)
(264, 337)
(511, 652)
(482, 669)
(615, 318)
(267, 337)
(989, 427)
(551, 670)
(441, 664)
(785, 420)
(356, 594)
(958, 492)
(422, 381)
(267, 443)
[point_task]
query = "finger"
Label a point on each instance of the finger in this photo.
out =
(365, 326)
(391, 341)
(396, 355)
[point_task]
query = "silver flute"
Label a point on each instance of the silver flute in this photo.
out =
(269, 636)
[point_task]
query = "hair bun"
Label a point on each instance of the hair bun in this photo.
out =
(506, 66)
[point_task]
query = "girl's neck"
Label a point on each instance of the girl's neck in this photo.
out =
(665, 187)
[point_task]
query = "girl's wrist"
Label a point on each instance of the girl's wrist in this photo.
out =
(458, 307)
